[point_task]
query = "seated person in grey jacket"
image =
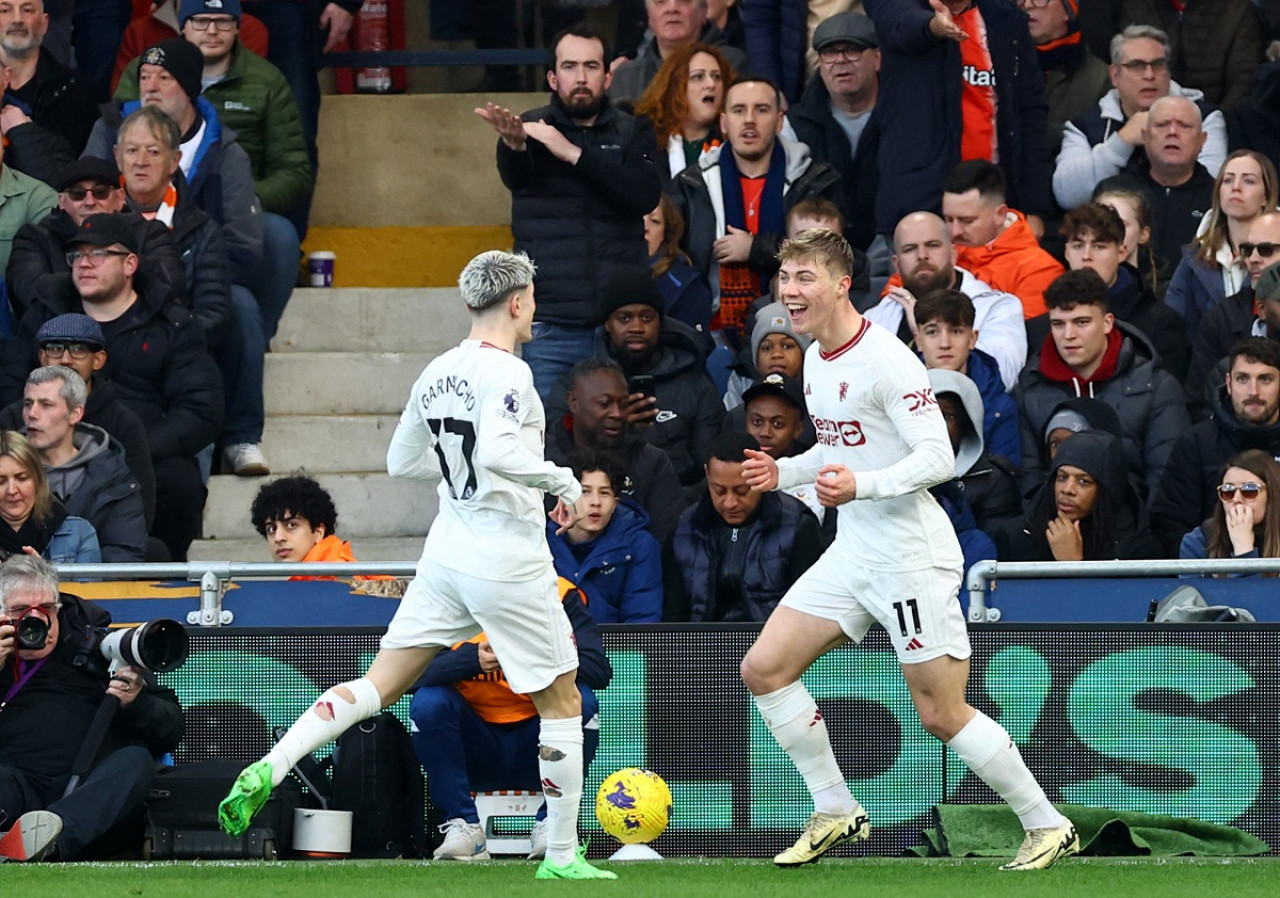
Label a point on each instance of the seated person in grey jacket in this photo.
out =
(736, 552)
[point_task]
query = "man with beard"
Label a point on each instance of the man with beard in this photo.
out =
(582, 176)
(675, 406)
(47, 111)
(1246, 415)
(597, 401)
(735, 199)
(926, 260)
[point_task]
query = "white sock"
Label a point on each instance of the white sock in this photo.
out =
(987, 749)
(795, 721)
(560, 766)
(314, 728)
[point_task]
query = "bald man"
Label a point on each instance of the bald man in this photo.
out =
(925, 258)
(1181, 188)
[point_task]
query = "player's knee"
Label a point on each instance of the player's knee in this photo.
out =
(941, 723)
(344, 693)
(756, 676)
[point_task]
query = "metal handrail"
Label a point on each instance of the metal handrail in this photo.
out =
(215, 575)
(984, 573)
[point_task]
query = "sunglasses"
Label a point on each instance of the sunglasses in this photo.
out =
(1248, 490)
(1266, 250)
(101, 192)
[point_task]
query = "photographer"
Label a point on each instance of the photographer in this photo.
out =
(49, 696)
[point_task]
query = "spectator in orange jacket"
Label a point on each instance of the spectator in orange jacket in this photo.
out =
(995, 242)
(298, 519)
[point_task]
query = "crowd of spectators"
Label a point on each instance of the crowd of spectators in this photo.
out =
(1080, 259)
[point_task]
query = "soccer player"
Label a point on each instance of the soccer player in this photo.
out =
(473, 423)
(895, 560)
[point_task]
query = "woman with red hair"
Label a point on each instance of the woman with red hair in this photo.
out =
(684, 102)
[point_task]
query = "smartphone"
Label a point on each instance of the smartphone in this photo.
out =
(641, 383)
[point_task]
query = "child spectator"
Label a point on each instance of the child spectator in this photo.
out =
(609, 553)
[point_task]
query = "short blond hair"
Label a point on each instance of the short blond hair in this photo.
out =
(820, 245)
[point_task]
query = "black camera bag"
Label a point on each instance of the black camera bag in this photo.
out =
(182, 815)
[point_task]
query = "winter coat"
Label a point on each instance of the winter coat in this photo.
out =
(1132, 301)
(254, 100)
(1217, 44)
(105, 410)
(156, 358)
(1187, 494)
(686, 295)
(998, 319)
(59, 103)
(815, 125)
(206, 271)
(1073, 90)
(1220, 328)
(23, 200)
(74, 542)
(582, 224)
(1095, 453)
(38, 270)
(651, 481)
(698, 193)
(920, 88)
(690, 413)
(777, 33)
(1015, 263)
(622, 573)
(1254, 122)
(1195, 545)
(1176, 212)
(773, 549)
(1148, 400)
(632, 78)
(1092, 149)
(220, 181)
(1194, 289)
(975, 543)
(104, 492)
(34, 150)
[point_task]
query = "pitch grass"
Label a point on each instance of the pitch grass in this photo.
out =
(937, 878)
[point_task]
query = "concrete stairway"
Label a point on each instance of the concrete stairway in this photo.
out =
(338, 375)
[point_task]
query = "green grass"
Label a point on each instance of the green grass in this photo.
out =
(940, 878)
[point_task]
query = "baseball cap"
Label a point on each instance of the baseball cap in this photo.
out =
(70, 328)
(104, 229)
(87, 168)
(776, 384)
(846, 27)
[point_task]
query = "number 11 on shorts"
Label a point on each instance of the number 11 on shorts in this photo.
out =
(902, 616)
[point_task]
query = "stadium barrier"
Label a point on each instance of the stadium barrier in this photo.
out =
(1169, 719)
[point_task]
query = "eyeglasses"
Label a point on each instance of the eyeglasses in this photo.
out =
(100, 192)
(841, 51)
(1248, 490)
(1034, 4)
(75, 350)
(93, 256)
(1266, 250)
(48, 608)
(202, 23)
(1138, 66)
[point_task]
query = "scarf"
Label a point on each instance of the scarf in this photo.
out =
(739, 284)
(1053, 367)
(32, 533)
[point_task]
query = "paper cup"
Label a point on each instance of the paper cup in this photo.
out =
(321, 834)
(320, 265)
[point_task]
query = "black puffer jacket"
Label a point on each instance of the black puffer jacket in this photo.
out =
(206, 270)
(38, 270)
(582, 224)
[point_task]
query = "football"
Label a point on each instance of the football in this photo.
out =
(633, 805)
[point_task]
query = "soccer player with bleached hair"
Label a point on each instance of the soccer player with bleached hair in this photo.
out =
(473, 424)
(882, 443)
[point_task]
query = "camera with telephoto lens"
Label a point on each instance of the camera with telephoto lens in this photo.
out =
(159, 645)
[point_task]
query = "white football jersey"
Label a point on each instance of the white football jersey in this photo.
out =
(474, 422)
(874, 412)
